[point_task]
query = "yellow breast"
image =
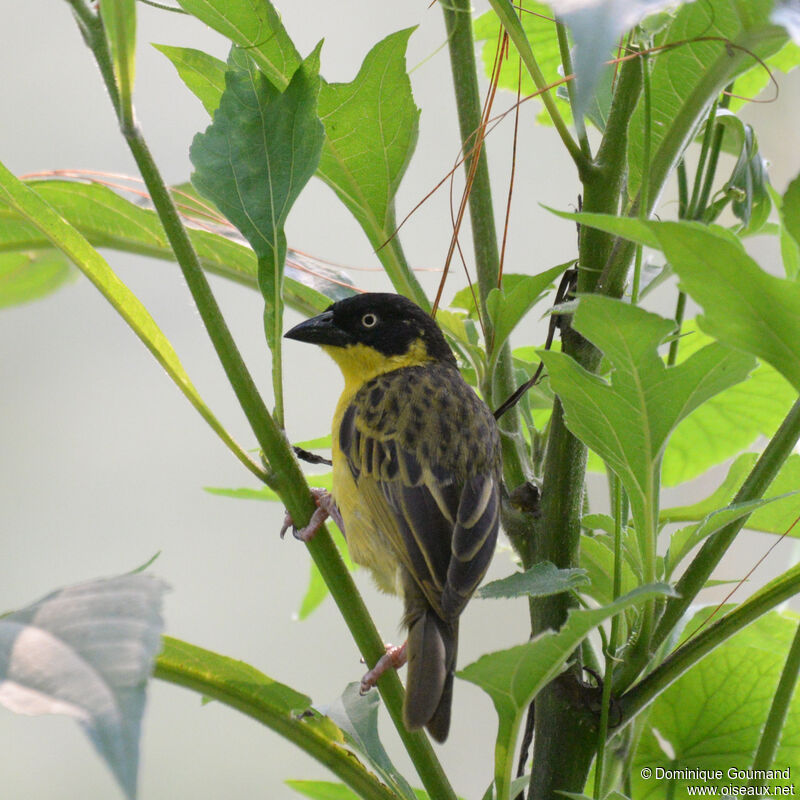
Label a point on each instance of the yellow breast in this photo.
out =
(365, 541)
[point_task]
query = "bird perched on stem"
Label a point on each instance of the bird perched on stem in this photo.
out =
(416, 478)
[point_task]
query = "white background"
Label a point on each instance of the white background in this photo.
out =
(102, 461)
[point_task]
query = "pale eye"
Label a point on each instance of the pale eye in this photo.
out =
(369, 320)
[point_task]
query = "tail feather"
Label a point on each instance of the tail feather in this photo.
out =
(431, 654)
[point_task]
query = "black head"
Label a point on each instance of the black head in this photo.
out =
(388, 323)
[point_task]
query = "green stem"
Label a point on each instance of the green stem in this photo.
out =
(566, 63)
(714, 548)
(349, 770)
(701, 164)
(637, 267)
(286, 477)
(689, 653)
(510, 21)
(613, 642)
(713, 159)
(603, 186)
(683, 190)
(500, 384)
(768, 746)
(680, 310)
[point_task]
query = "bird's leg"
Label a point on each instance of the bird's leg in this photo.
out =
(326, 507)
(394, 659)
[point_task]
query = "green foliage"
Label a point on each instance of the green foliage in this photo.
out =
(540, 580)
(252, 162)
(713, 716)
(627, 422)
(30, 275)
(513, 677)
(653, 420)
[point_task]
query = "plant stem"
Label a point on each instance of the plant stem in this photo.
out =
(286, 477)
(509, 20)
(768, 746)
(701, 164)
(680, 309)
(689, 653)
(498, 386)
(613, 642)
(566, 63)
(698, 572)
(643, 206)
(713, 158)
(339, 761)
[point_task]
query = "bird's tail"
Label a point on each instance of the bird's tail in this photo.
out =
(431, 651)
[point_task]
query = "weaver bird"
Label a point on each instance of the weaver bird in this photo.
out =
(416, 478)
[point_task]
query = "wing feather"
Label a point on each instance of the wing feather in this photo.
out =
(433, 492)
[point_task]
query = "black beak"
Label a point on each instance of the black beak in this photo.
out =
(320, 330)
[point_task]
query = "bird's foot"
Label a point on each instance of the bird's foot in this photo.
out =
(394, 658)
(326, 507)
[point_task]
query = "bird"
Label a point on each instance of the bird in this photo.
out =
(416, 479)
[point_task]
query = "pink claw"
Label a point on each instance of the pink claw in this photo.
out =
(326, 507)
(394, 659)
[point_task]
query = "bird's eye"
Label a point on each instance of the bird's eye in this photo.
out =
(369, 320)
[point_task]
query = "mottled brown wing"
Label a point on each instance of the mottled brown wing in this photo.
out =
(439, 508)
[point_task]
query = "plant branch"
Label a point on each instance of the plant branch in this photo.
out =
(689, 653)
(510, 21)
(714, 548)
(285, 476)
(566, 63)
(458, 22)
(768, 746)
(239, 695)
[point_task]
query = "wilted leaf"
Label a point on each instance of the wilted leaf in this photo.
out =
(87, 651)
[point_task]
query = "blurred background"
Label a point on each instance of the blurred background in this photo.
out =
(103, 462)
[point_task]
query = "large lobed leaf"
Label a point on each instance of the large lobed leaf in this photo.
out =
(514, 676)
(87, 651)
(371, 123)
(627, 422)
(29, 275)
(712, 717)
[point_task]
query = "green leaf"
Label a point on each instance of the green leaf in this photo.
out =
(684, 539)
(253, 160)
(540, 580)
(774, 518)
(718, 43)
(108, 220)
(508, 306)
(371, 125)
(31, 275)
(322, 790)
(279, 707)
(324, 481)
(34, 210)
(744, 306)
(541, 34)
(712, 716)
(513, 677)
(119, 21)
(357, 716)
(790, 213)
(202, 73)
(627, 422)
(727, 423)
(257, 29)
